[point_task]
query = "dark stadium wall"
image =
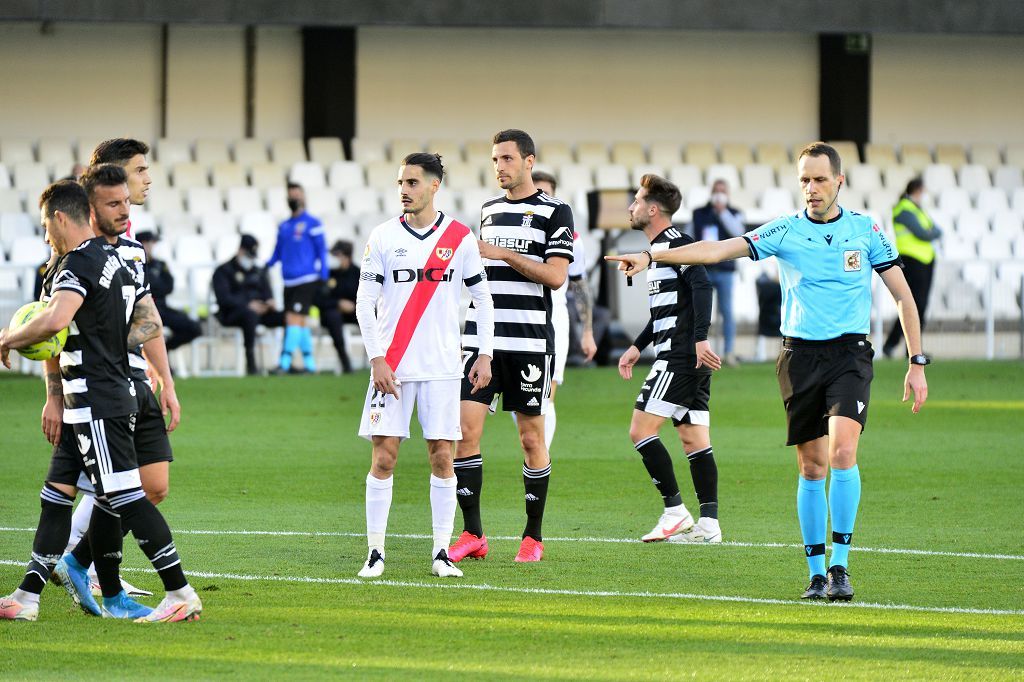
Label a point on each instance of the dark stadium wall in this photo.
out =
(329, 83)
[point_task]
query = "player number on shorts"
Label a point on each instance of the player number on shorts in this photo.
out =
(467, 355)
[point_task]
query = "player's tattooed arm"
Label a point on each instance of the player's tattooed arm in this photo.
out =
(146, 323)
(53, 408)
(584, 302)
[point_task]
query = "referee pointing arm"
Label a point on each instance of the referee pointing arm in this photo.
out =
(826, 255)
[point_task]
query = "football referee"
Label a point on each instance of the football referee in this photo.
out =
(826, 255)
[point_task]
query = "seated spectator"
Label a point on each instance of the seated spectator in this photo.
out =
(161, 284)
(244, 298)
(337, 300)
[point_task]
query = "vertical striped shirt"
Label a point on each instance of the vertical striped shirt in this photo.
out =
(538, 227)
(680, 300)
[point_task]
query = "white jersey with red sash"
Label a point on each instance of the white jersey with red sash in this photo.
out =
(415, 278)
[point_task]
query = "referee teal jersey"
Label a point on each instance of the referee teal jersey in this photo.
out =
(825, 271)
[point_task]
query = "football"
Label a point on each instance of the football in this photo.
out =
(44, 350)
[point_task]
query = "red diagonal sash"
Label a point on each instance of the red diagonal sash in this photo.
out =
(423, 292)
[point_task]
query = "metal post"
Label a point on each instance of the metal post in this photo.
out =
(990, 315)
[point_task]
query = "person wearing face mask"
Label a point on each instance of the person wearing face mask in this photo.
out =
(244, 298)
(302, 253)
(718, 221)
(337, 300)
(915, 237)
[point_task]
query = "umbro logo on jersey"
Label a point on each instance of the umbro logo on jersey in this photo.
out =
(465, 492)
(860, 407)
(400, 252)
(84, 443)
(531, 374)
(532, 402)
(444, 254)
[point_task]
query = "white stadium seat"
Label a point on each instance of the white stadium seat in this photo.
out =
(974, 178)
(864, 177)
(243, 200)
(365, 150)
(738, 154)
(611, 176)
(777, 200)
(322, 201)
(1009, 178)
(228, 174)
(213, 225)
(939, 177)
(28, 250)
(917, 156)
(287, 151)
(10, 200)
(574, 177)
(170, 151)
(629, 154)
(639, 171)
(684, 176)
(210, 151)
(189, 175)
(326, 150)
(450, 150)
(953, 155)
(992, 200)
(954, 200)
(897, 177)
(722, 171)
(592, 154)
(701, 154)
(986, 155)
(552, 154)
(200, 200)
(309, 174)
(665, 154)
(773, 154)
(344, 175)
(362, 201)
(16, 150)
(250, 151)
(757, 177)
(14, 225)
(267, 175)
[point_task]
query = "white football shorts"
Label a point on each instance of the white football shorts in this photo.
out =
(560, 321)
(437, 406)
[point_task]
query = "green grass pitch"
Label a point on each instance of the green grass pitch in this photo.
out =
(938, 560)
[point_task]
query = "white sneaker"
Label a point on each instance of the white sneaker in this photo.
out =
(175, 610)
(12, 609)
(128, 588)
(668, 525)
(443, 566)
(374, 566)
(705, 530)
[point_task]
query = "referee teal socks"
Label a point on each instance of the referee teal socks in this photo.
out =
(812, 510)
(843, 500)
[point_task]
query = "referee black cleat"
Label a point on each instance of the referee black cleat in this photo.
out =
(816, 590)
(839, 587)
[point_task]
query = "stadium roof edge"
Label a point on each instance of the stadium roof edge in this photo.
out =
(790, 16)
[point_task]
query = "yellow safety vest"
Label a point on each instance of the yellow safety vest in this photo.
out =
(909, 245)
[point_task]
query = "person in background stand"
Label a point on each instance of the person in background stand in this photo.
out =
(244, 298)
(337, 300)
(915, 237)
(718, 221)
(161, 284)
(302, 252)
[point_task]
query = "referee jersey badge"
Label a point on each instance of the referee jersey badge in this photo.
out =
(851, 261)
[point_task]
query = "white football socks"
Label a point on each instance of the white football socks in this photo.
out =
(378, 506)
(80, 521)
(442, 511)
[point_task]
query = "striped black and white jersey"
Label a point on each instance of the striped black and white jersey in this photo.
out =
(135, 256)
(94, 363)
(539, 227)
(680, 300)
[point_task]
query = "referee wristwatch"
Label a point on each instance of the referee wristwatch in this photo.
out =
(921, 359)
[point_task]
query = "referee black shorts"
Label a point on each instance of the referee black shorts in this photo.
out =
(299, 298)
(822, 379)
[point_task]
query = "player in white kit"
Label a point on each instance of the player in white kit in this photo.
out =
(408, 311)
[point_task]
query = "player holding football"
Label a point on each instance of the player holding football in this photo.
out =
(153, 448)
(526, 240)
(679, 384)
(826, 255)
(94, 293)
(407, 305)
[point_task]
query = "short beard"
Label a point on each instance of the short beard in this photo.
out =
(109, 229)
(633, 225)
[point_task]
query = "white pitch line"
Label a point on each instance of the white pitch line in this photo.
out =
(484, 587)
(415, 536)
